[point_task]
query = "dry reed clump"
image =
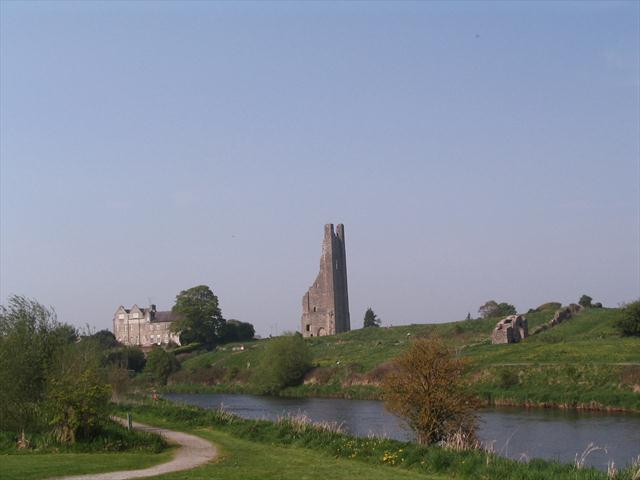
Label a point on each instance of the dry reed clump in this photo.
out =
(224, 416)
(580, 460)
(301, 423)
(374, 377)
(319, 376)
(204, 376)
(378, 374)
(630, 376)
(460, 440)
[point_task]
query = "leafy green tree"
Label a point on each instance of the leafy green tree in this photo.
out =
(30, 337)
(77, 394)
(106, 339)
(127, 357)
(506, 309)
(370, 319)
(426, 388)
(237, 331)
(629, 323)
(161, 364)
(200, 319)
(284, 362)
(493, 309)
(585, 301)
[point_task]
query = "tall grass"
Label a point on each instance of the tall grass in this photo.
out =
(110, 437)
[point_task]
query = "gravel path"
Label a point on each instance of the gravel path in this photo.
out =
(192, 452)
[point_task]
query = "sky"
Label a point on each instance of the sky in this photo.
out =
(473, 151)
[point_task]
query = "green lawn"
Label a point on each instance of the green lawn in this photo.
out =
(34, 466)
(245, 460)
(240, 459)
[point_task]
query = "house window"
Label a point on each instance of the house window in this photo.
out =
(315, 309)
(308, 328)
(121, 316)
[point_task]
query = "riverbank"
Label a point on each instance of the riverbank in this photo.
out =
(391, 458)
(582, 363)
(374, 393)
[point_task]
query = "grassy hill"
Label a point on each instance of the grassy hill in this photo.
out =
(581, 363)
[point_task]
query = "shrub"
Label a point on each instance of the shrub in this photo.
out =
(371, 319)
(106, 339)
(30, 337)
(320, 375)
(508, 378)
(77, 396)
(629, 323)
(493, 309)
(237, 331)
(284, 363)
(130, 358)
(585, 301)
(161, 364)
(427, 390)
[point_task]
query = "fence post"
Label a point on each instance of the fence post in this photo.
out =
(129, 421)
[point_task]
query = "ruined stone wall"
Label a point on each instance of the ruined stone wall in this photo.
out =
(325, 306)
(511, 329)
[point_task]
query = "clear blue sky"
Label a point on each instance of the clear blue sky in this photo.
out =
(474, 151)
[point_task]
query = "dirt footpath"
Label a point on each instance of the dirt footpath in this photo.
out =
(192, 452)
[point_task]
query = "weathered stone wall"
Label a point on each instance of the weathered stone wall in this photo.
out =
(562, 314)
(511, 329)
(325, 306)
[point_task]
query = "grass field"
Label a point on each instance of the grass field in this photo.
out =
(34, 466)
(582, 362)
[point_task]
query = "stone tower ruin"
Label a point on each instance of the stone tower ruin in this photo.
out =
(325, 306)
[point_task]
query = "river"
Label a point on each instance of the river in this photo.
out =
(516, 433)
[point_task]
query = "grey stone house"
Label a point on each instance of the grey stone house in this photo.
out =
(144, 327)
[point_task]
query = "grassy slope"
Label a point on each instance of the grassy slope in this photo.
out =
(35, 466)
(577, 362)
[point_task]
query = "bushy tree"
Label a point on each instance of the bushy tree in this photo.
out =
(585, 301)
(493, 309)
(30, 337)
(629, 322)
(370, 319)
(489, 309)
(161, 364)
(47, 378)
(77, 393)
(106, 339)
(505, 309)
(127, 357)
(237, 331)
(284, 362)
(426, 389)
(200, 318)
